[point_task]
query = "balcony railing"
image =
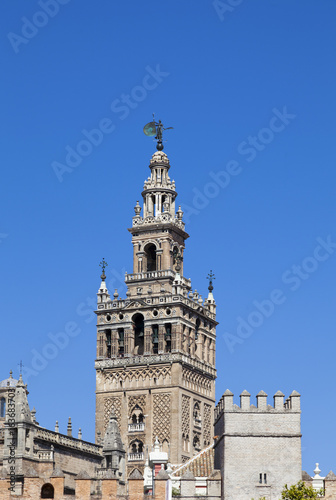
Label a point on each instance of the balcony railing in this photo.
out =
(167, 273)
(44, 455)
(140, 427)
(134, 457)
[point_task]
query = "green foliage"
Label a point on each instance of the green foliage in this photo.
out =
(300, 491)
(175, 492)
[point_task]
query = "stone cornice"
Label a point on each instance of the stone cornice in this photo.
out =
(150, 359)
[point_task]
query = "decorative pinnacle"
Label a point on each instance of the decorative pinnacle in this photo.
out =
(103, 265)
(210, 277)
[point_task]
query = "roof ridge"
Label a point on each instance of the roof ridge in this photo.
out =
(192, 459)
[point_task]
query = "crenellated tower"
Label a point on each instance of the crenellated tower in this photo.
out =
(155, 366)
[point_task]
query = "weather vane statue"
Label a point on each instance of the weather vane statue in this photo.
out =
(154, 128)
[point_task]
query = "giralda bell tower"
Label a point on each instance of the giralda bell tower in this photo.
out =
(155, 366)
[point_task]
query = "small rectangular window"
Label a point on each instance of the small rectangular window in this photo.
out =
(260, 478)
(265, 478)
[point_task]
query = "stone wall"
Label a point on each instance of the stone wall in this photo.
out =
(258, 448)
(111, 490)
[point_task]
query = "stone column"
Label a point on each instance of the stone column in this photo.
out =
(176, 337)
(159, 262)
(167, 256)
(192, 342)
(135, 258)
(161, 339)
(102, 344)
(114, 343)
(128, 342)
(200, 345)
(148, 341)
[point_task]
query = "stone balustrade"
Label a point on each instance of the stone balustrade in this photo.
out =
(68, 441)
(135, 457)
(140, 427)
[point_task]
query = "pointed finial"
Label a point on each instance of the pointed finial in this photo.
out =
(317, 470)
(211, 277)
(69, 428)
(137, 208)
(79, 433)
(179, 213)
(56, 426)
(103, 264)
(11, 374)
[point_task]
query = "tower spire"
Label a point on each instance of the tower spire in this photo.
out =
(103, 294)
(158, 329)
(210, 301)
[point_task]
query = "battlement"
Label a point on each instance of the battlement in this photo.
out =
(291, 404)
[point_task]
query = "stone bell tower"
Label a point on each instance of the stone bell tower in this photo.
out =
(155, 366)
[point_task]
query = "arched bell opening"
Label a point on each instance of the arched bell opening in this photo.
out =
(150, 257)
(139, 328)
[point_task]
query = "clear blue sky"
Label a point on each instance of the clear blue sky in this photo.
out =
(250, 92)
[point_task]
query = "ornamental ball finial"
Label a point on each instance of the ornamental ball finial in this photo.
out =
(211, 277)
(103, 264)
